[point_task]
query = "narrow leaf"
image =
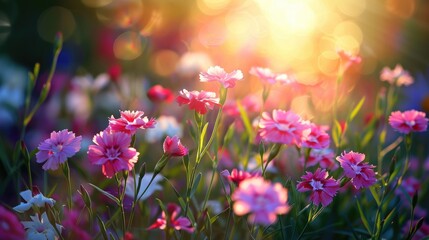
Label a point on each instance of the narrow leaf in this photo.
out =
(362, 217)
(375, 195)
(102, 228)
(356, 110)
(245, 119)
(196, 183)
(113, 198)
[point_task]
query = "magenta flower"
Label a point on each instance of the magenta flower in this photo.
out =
(173, 147)
(218, 74)
(324, 188)
(408, 121)
(56, 149)
(130, 121)
(315, 137)
(361, 173)
(198, 101)
(397, 76)
(267, 76)
(261, 199)
(284, 127)
(323, 157)
(158, 93)
(10, 227)
(181, 223)
(237, 176)
(112, 150)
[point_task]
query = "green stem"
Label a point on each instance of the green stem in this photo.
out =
(66, 170)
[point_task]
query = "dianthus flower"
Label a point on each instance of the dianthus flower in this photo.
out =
(158, 93)
(10, 227)
(56, 149)
(323, 157)
(315, 137)
(198, 101)
(283, 127)
(218, 74)
(408, 121)
(112, 150)
(37, 200)
(267, 76)
(261, 199)
(41, 228)
(324, 188)
(237, 176)
(361, 173)
(397, 76)
(181, 223)
(173, 147)
(130, 121)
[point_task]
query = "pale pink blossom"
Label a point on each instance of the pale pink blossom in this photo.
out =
(112, 150)
(57, 149)
(324, 157)
(175, 222)
(237, 176)
(130, 122)
(348, 59)
(218, 74)
(315, 137)
(408, 121)
(173, 147)
(323, 188)
(267, 76)
(397, 76)
(198, 101)
(361, 173)
(10, 227)
(158, 93)
(283, 127)
(261, 199)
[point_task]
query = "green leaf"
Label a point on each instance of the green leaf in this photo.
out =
(102, 228)
(356, 110)
(85, 197)
(245, 119)
(113, 198)
(229, 134)
(375, 195)
(196, 183)
(336, 132)
(203, 134)
(363, 218)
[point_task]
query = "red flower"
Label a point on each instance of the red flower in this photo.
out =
(158, 93)
(198, 101)
(237, 176)
(180, 223)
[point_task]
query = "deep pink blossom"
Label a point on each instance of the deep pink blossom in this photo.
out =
(361, 173)
(112, 150)
(198, 101)
(130, 121)
(324, 157)
(397, 76)
(283, 127)
(261, 199)
(218, 74)
(175, 222)
(315, 137)
(56, 149)
(237, 176)
(323, 188)
(408, 121)
(173, 147)
(158, 93)
(10, 227)
(267, 76)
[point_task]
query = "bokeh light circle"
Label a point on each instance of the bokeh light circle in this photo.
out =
(56, 19)
(128, 46)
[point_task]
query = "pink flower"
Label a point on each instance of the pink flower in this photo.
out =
(217, 73)
(397, 76)
(173, 147)
(198, 101)
(74, 224)
(56, 149)
(10, 227)
(324, 188)
(284, 127)
(348, 59)
(267, 76)
(158, 93)
(315, 137)
(408, 121)
(323, 157)
(261, 199)
(130, 121)
(181, 223)
(112, 150)
(361, 173)
(237, 176)
(251, 104)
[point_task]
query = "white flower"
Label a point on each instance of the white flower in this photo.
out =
(154, 186)
(40, 228)
(165, 126)
(38, 201)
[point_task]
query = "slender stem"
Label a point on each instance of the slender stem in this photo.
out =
(69, 188)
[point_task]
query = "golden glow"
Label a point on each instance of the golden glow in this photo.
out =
(212, 7)
(165, 62)
(127, 46)
(154, 21)
(53, 20)
(352, 8)
(96, 3)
